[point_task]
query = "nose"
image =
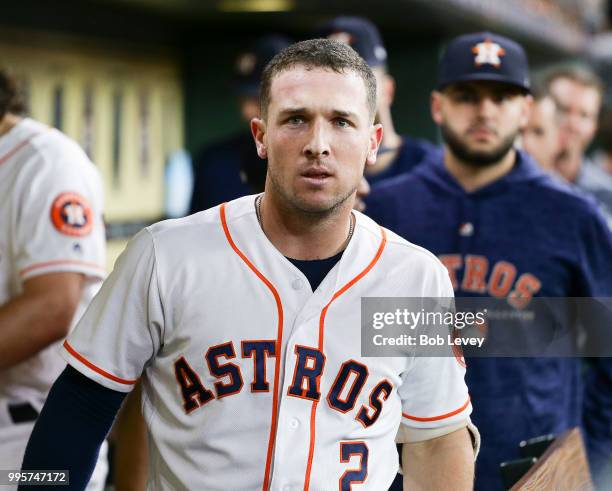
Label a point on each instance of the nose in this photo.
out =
(571, 123)
(317, 144)
(486, 106)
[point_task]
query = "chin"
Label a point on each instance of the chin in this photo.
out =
(317, 203)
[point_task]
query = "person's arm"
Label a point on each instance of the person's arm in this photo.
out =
(39, 316)
(129, 436)
(446, 462)
(71, 427)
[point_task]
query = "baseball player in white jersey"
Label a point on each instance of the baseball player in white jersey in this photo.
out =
(250, 379)
(52, 255)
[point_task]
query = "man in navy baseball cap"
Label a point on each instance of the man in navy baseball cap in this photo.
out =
(482, 98)
(499, 224)
(360, 34)
(250, 64)
(484, 56)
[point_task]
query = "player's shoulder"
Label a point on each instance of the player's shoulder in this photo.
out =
(201, 229)
(393, 186)
(399, 251)
(53, 149)
(49, 139)
(564, 196)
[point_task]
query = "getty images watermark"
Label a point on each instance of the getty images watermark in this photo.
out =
(410, 320)
(486, 327)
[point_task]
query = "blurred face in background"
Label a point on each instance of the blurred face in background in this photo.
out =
(541, 135)
(480, 120)
(249, 108)
(578, 106)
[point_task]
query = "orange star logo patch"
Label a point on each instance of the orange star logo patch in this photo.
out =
(71, 214)
(488, 53)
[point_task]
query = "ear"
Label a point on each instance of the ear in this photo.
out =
(435, 107)
(526, 108)
(376, 135)
(258, 130)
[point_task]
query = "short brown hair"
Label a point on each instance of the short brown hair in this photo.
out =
(318, 53)
(10, 97)
(580, 74)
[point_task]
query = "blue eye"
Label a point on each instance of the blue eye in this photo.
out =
(295, 120)
(344, 123)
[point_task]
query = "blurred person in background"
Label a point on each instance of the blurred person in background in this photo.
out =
(578, 93)
(507, 230)
(540, 138)
(231, 168)
(52, 261)
(596, 178)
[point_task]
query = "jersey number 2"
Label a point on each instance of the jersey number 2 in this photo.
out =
(353, 476)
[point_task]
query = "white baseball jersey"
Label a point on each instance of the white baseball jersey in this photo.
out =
(251, 380)
(50, 221)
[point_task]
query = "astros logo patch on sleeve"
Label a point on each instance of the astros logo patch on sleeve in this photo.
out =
(71, 214)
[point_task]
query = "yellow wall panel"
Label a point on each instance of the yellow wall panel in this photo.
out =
(137, 191)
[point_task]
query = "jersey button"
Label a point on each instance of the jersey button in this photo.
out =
(294, 423)
(466, 229)
(297, 284)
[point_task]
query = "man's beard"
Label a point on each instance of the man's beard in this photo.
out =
(476, 158)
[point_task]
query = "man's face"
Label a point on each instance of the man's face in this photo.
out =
(541, 136)
(317, 136)
(480, 120)
(579, 108)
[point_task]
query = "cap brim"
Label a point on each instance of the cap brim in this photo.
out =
(485, 77)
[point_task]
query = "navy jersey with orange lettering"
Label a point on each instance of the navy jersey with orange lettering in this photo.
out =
(521, 236)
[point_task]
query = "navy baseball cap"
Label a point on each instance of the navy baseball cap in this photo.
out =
(360, 34)
(484, 56)
(250, 64)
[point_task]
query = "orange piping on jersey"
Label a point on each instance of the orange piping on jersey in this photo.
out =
(96, 369)
(441, 416)
(19, 146)
(313, 412)
(279, 344)
(25, 271)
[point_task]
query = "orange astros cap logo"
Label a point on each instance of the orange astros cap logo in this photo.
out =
(71, 214)
(488, 53)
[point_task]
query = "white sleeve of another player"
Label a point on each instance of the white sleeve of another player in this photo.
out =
(123, 327)
(59, 219)
(433, 390)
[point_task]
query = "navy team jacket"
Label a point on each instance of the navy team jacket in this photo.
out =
(553, 243)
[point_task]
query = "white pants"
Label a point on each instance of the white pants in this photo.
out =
(13, 442)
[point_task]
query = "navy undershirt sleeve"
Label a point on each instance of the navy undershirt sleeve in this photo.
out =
(71, 427)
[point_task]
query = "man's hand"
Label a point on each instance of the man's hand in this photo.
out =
(446, 462)
(362, 191)
(39, 316)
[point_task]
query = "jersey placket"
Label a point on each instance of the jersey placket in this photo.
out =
(291, 448)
